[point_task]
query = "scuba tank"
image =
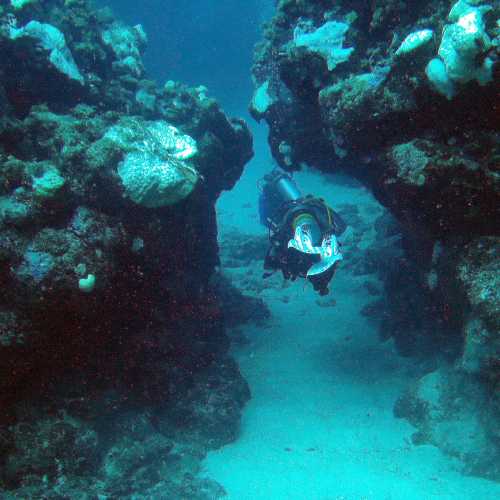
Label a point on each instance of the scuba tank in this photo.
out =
(286, 188)
(277, 190)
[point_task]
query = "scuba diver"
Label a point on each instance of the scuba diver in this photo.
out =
(302, 232)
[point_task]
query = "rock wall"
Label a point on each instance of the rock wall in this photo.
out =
(410, 108)
(114, 372)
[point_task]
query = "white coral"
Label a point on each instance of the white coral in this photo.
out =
(52, 40)
(461, 52)
(156, 170)
(327, 41)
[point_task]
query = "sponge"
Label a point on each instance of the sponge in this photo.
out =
(87, 284)
(437, 75)
(461, 52)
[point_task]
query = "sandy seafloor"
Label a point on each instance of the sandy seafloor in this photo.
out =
(320, 423)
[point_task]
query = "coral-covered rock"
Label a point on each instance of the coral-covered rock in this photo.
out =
(53, 41)
(435, 189)
(132, 459)
(105, 263)
(50, 448)
(412, 114)
(127, 44)
(451, 410)
(210, 408)
(237, 307)
(454, 407)
(476, 276)
(355, 105)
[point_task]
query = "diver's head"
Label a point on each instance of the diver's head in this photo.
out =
(309, 225)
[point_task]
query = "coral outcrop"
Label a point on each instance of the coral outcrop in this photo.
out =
(412, 113)
(110, 323)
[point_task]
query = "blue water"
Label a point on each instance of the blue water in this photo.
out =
(197, 42)
(320, 424)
